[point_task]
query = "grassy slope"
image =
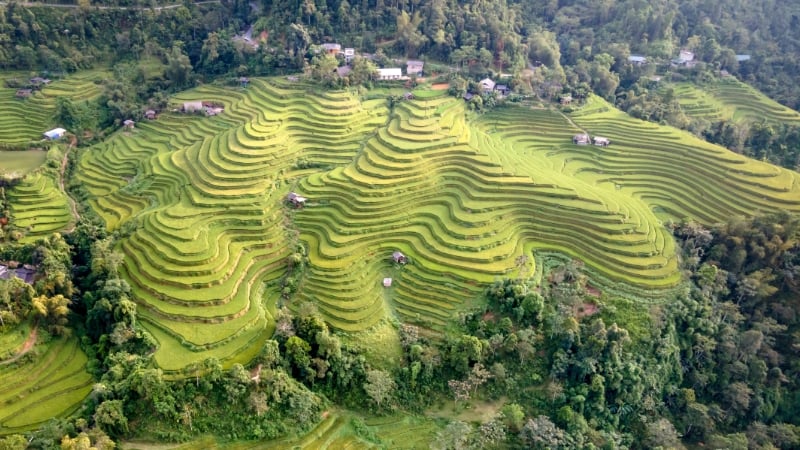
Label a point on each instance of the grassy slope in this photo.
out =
(463, 198)
(20, 162)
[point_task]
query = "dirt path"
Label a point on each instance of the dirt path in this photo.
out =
(569, 119)
(72, 205)
(26, 347)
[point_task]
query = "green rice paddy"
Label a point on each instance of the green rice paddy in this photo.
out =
(50, 381)
(462, 196)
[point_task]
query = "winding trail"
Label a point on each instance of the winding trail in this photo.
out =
(26, 347)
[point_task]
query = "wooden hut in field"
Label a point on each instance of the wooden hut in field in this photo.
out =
(581, 139)
(399, 258)
(298, 201)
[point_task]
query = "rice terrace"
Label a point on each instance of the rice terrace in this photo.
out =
(206, 229)
(462, 196)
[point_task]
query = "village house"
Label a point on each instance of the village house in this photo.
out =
(54, 134)
(637, 60)
(128, 124)
(24, 93)
(387, 282)
(150, 114)
(298, 201)
(343, 71)
(581, 139)
(685, 59)
(26, 273)
(742, 58)
(487, 84)
(399, 258)
(408, 96)
(332, 49)
(393, 73)
(190, 107)
(565, 99)
(414, 67)
(502, 90)
(601, 141)
(37, 81)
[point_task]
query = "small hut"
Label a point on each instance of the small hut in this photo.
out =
(129, 124)
(399, 258)
(566, 99)
(581, 139)
(150, 114)
(602, 141)
(244, 81)
(387, 282)
(24, 93)
(298, 201)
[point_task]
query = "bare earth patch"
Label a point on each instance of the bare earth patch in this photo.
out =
(440, 87)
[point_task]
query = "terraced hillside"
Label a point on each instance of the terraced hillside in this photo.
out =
(38, 206)
(210, 251)
(730, 99)
(24, 120)
(659, 168)
(207, 195)
(50, 381)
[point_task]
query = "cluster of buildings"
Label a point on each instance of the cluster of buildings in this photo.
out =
(584, 139)
(413, 67)
(487, 86)
(34, 84)
(210, 109)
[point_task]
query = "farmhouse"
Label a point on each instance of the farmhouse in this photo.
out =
(298, 201)
(393, 73)
(601, 141)
(408, 96)
(581, 139)
(742, 58)
(24, 93)
(414, 67)
(487, 84)
(190, 107)
(128, 124)
(387, 282)
(565, 99)
(55, 133)
(399, 258)
(150, 114)
(502, 89)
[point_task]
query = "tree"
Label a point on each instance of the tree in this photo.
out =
(323, 69)
(409, 38)
(542, 433)
(379, 386)
(362, 71)
(455, 436)
(110, 417)
(179, 67)
(54, 311)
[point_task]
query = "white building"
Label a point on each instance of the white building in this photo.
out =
(393, 73)
(349, 54)
(55, 133)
